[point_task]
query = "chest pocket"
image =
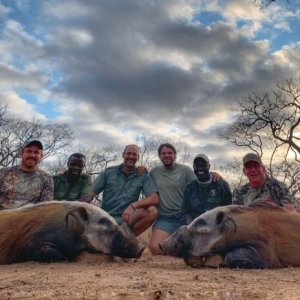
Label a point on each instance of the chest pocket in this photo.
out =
(134, 188)
(213, 199)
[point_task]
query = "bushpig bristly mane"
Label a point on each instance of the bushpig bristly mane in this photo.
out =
(19, 226)
(271, 229)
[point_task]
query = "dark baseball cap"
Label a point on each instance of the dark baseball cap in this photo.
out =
(251, 157)
(34, 142)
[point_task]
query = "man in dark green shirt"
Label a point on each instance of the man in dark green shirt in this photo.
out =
(203, 194)
(72, 184)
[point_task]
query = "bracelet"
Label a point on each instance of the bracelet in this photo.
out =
(134, 208)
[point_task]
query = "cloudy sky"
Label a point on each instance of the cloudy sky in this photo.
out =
(114, 69)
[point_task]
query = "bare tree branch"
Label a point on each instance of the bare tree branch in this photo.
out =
(15, 133)
(268, 123)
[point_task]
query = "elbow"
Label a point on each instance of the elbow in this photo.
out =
(155, 199)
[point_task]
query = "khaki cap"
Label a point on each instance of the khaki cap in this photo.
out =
(203, 156)
(251, 157)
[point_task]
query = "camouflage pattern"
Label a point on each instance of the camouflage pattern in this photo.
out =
(18, 188)
(272, 188)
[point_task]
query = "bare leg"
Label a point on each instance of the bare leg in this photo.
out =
(157, 237)
(143, 219)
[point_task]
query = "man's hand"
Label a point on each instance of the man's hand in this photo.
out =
(216, 176)
(128, 213)
(140, 170)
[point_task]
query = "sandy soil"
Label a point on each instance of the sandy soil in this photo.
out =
(161, 277)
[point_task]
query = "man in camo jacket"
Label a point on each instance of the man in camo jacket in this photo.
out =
(261, 186)
(25, 183)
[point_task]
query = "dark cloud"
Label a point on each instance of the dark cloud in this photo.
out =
(119, 70)
(133, 61)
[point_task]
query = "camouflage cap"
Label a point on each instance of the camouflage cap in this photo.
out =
(34, 142)
(251, 157)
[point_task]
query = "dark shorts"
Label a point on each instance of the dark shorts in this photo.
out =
(169, 223)
(119, 219)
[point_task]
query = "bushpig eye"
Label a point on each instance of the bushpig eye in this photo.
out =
(103, 221)
(200, 222)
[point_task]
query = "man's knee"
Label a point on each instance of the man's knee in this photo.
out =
(154, 248)
(157, 237)
(152, 213)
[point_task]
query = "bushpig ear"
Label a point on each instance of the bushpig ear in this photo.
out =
(77, 219)
(225, 223)
(219, 217)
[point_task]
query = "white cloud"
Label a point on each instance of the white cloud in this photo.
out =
(19, 107)
(4, 11)
(66, 9)
(115, 69)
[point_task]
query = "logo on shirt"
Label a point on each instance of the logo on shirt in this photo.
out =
(213, 193)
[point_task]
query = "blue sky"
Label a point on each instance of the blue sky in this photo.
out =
(114, 69)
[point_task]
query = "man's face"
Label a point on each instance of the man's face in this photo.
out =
(76, 165)
(201, 168)
(31, 157)
(255, 172)
(131, 156)
(167, 156)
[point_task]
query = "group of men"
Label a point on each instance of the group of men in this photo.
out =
(172, 194)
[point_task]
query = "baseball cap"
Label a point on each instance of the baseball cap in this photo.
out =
(251, 157)
(34, 142)
(203, 156)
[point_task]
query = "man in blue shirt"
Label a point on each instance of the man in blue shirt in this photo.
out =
(122, 186)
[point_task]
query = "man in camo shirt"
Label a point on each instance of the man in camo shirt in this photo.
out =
(261, 186)
(25, 183)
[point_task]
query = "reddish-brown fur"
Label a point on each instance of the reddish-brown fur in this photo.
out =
(271, 228)
(19, 226)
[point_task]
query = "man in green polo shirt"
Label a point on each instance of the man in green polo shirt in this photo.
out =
(72, 184)
(122, 186)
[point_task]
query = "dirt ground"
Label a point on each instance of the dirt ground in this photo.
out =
(160, 277)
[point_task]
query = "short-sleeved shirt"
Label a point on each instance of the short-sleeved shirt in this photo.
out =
(81, 188)
(18, 187)
(200, 197)
(119, 190)
(171, 184)
(273, 188)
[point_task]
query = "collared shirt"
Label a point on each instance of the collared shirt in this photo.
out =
(200, 197)
(81, 188)
(18, 187)
(272, 188)
(119, 190)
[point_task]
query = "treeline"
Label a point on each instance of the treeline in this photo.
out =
(266, 122)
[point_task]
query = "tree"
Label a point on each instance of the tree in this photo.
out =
(266, 3)
(268, 123)
(268, 116)
(149, 144)
(15, 133)
(231, 171)
(97, 159)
